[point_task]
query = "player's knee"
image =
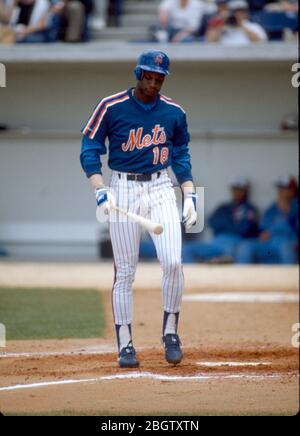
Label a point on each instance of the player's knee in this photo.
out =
(125, 274)
(172, 266)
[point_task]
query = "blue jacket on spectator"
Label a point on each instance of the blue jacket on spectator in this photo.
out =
(278, 223)
(294, 214)
(238, 219)
(231, 223)
(281, 246)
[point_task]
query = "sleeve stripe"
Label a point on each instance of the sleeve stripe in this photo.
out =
(171, 102)
(99, 107)
(103, 112)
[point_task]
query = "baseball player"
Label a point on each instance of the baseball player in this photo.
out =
(147, 132)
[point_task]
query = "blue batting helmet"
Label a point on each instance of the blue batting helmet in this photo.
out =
(154, 61)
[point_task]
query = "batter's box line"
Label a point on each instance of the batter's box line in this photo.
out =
(144, 375)
(108, 350)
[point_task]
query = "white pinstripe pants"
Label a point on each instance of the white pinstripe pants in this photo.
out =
(155, 200)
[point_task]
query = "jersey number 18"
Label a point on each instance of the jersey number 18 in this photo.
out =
(160, 155)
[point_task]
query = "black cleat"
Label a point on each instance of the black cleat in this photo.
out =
(127, 358)
(173, 353)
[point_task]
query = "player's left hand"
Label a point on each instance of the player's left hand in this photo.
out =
(189, 215)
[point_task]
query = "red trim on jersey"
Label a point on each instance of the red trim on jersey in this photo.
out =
(94, 115)
(102, 113)
(171, 102)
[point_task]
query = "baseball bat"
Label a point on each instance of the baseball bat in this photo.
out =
(147, 224)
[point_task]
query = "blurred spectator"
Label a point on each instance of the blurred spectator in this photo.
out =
(218, 18)
(71, 17)
(222, 9)
(115, 12)
(282, 5)
(45, 20)
(273, 5)
(257, 5)
(231, 222)
(6, 7)
(24, 16)
(98, 19)
(277, 242)
(29, 20)
(279, 19)
(88, 10)
(235, 29)
(7, 35)
(179, 20)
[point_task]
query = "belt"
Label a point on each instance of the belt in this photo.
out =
(141, 177)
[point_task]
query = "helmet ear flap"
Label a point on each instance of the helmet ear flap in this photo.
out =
(138, 73)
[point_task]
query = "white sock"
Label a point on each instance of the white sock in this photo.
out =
(170, 324)
(124, 336)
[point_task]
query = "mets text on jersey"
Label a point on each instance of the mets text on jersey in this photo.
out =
(137, 140)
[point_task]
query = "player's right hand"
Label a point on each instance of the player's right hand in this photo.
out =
(104, 199)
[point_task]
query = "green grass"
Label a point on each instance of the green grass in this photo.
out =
(51, 313)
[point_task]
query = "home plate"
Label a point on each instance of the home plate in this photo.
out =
(216, 364)
(243, 297)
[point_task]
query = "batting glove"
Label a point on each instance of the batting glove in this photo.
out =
(189, 215)
(105, 199)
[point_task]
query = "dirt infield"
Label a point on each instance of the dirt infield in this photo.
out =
(238, 356)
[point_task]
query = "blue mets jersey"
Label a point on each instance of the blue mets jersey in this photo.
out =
(142, 138)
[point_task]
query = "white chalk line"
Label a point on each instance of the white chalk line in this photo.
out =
(217, 364)
(98, 352)
(60, 353)
(141, 375)
(243, 297)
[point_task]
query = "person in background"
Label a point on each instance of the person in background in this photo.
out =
(29, 20)
(273, 5)
(7, 35)
(179, 20)
(88, 10)
(115, 11)
(286, 11)
(256, 5)
(71, 18)
(235, 28)
(278, 238)
(6, 8)
(291, 6)
(219, 17)
(231, 223)
(278, 17)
